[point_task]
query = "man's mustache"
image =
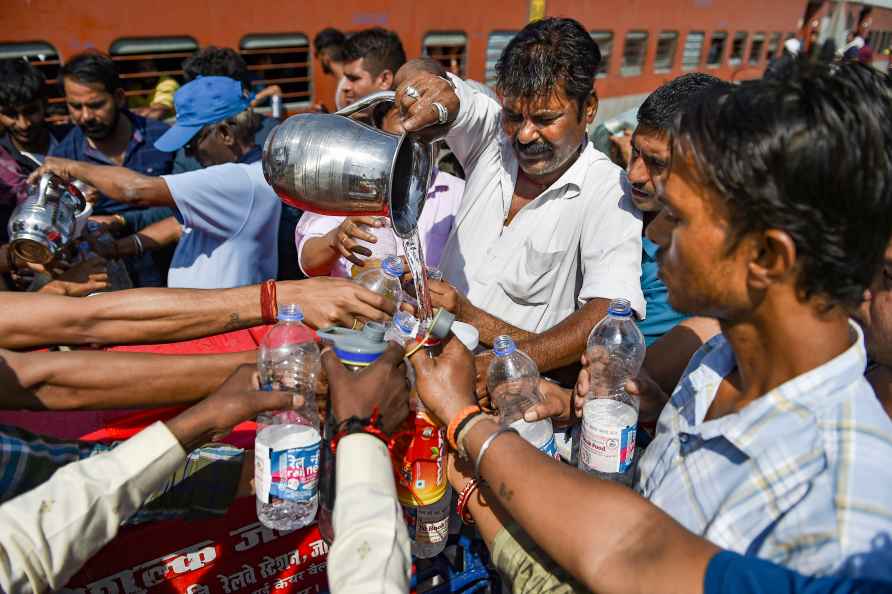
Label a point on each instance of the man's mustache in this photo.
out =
(534, 148)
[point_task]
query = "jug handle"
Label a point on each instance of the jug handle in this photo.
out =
(45, 180)
(366, 102)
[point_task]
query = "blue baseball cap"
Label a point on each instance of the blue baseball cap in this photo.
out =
(205, 100)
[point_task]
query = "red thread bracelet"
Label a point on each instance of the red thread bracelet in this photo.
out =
(461, 508)
(269, 307)
(463, 416)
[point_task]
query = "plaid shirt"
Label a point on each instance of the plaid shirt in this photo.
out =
(204, 485)
(802, 476)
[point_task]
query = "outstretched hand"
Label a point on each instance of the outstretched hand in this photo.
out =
(381, 385)
(445, 383)
(237, 400)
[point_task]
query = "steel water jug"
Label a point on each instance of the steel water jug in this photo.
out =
(331, 164)
(42, 225)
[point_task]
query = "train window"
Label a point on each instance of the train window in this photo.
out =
(494, 46)
(279, 59)
(604, 39)
(756, 48)
(693, 48)
(773, 46)
(634, 51)
(145, 61)
(738, 48)
(44, 58)
(716, 49)
(667, 44)
(449, 49)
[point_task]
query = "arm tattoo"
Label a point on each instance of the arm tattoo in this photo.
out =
(234, 323)
(505, 493)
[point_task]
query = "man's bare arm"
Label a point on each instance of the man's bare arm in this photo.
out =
(118, 183)
(140, 316)
(98, 380)
(154, 237)
(564, 343)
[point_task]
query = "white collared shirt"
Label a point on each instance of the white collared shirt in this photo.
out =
(578, 240)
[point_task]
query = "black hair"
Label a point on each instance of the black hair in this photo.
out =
(20, 83)
(216, 61)
(333, 40)
(546, 53)
(811, 155)
(659, 110)
(381, 49)
(92, 67)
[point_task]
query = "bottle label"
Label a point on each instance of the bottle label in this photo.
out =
(426, 530)
(290, 474)
(549, 448)
(608, 442)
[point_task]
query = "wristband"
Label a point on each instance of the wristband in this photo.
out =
(460, 420)
(487, 444)
(269, 307)
(370, 426)
(137, 241)
(461, 508)
(463, 431)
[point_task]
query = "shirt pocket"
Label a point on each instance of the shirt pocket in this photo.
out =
(530, 273)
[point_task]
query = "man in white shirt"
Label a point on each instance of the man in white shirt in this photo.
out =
(546, 234)
(229, 231)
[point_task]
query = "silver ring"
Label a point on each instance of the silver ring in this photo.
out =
(442, 112)
(412, 92)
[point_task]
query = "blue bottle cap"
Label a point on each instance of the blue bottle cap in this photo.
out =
(356, 347)
(392, 266)
(503, 346)
(290, 312)
(621, 308)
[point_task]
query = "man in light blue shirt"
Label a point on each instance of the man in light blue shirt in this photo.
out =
(229, 215)
(773, 444)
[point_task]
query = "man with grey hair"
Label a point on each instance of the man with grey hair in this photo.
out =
(227, 222)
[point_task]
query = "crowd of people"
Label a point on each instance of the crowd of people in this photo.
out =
(748, 225)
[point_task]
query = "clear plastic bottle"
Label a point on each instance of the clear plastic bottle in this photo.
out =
(286, 454)
(384, 280)
(404, 328)
(513, 384)
(610, 416)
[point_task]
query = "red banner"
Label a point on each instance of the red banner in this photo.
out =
(232, 554)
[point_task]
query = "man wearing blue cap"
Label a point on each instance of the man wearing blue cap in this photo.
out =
(229, 215)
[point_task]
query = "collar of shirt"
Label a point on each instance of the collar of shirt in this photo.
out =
(650, 248)
(136, 140)
(821, 386)
(254, 154)
(568, 185)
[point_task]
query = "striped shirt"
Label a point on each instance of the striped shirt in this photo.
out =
(203, 485)
(802, 476)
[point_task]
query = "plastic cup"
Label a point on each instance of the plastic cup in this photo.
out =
(467, 334)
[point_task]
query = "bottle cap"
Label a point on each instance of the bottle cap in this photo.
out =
(392, 266)
(441, 324)
(290, 312)
(358, 348)
(620, 307)
(503, 346)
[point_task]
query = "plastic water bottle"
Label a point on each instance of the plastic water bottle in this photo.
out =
(286, 454)
(513, 384)
(384, 280)
(403, 329)
(610, 416)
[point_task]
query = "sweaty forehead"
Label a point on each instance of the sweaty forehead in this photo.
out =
(652, 142)
(554, 100)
